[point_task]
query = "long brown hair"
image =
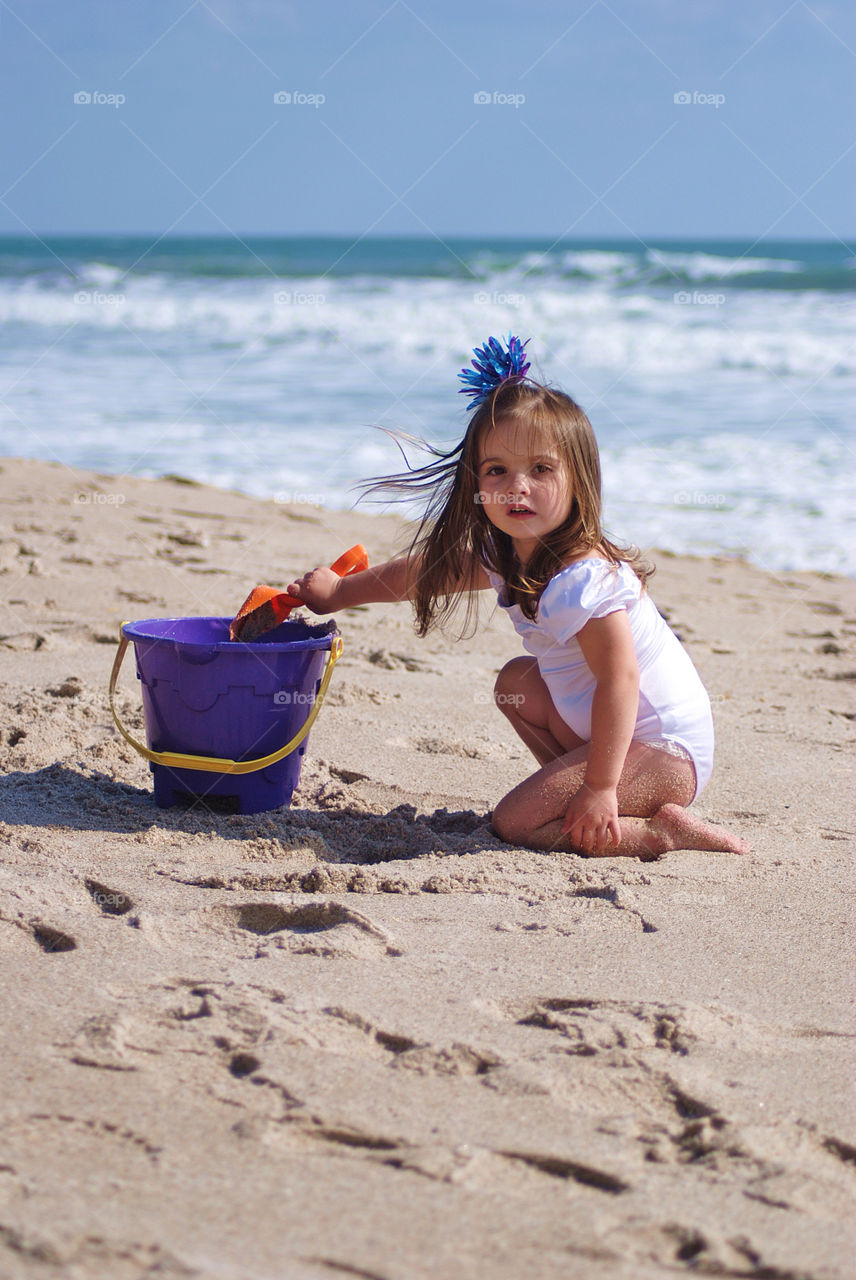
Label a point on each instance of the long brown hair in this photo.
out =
(455, 536)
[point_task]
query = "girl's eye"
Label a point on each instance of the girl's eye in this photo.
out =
(495, 470)
(543, 467)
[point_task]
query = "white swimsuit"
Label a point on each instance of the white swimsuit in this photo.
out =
(674, 709)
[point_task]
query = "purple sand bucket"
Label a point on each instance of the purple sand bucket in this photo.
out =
(228, 704)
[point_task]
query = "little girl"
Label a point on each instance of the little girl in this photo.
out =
(608, 701)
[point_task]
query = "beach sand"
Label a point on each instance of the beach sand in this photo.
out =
(362, 1036)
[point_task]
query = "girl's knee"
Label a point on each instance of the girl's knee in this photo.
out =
(510, 689)
(504, 823)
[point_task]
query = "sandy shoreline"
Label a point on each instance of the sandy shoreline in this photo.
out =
(362, 1036)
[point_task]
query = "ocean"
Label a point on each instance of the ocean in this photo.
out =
(719, 375)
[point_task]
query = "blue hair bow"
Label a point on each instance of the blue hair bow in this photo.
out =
(492, 365)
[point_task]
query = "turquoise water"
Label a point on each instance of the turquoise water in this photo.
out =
(786, 265)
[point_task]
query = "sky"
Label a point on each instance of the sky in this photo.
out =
(667, 118)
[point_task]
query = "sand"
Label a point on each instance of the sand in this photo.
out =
(362, 1036)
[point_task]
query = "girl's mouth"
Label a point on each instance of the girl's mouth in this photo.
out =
(520, 511)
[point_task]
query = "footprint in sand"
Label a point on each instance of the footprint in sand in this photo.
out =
(76, 1142)
(111, 902)
(210, 1025)
(312, 928)
(343, 1031)
(389, 661)
(23, 641)
(598, 1025)
(50, 939)
(141, 597)
(474, 749)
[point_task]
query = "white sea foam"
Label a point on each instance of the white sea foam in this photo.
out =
(585, 326)
(707, 266)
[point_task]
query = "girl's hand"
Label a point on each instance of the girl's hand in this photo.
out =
(318, 589)
(591, 820)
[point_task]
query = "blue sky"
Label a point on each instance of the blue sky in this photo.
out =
(577, 131)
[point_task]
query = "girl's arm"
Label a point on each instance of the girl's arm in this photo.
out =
(607, 644)
(322, 591)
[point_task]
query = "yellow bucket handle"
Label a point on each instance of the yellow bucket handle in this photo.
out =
(213, 764)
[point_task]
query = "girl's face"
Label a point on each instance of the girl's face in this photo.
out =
(524, 485)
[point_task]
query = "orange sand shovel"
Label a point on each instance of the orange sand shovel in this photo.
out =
(266, 607)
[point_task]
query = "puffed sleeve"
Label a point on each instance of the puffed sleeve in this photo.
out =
(585, 590)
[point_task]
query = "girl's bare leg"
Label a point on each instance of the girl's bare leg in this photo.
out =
(653, 790)
(524, 699)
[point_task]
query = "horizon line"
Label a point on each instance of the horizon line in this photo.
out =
(407, 236)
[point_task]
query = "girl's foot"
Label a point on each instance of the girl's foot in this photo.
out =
(673, 827)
